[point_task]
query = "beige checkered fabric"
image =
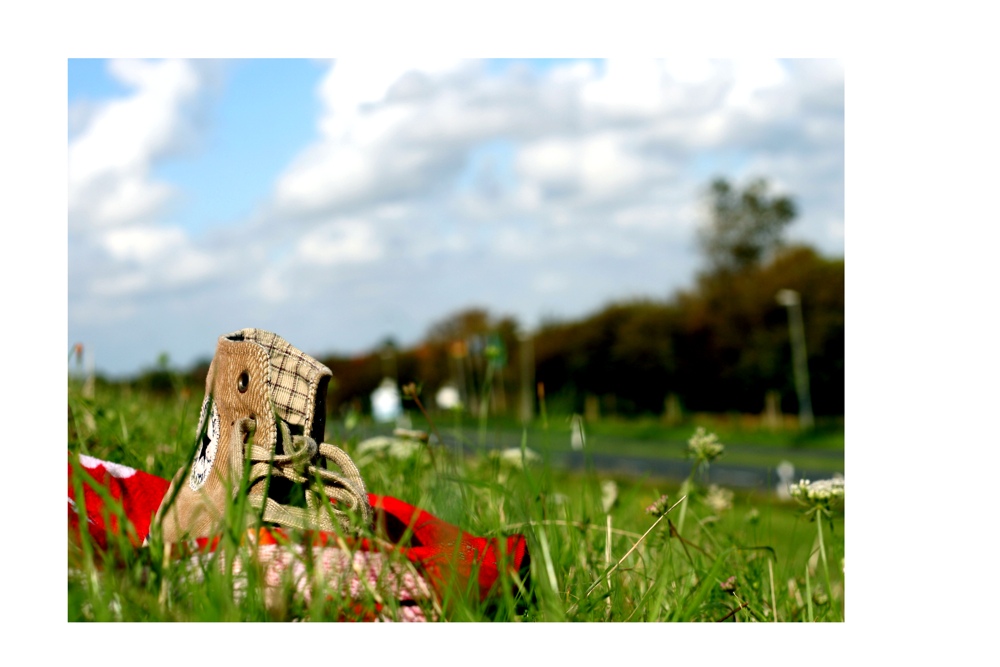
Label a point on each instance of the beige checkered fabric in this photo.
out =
(295, 381)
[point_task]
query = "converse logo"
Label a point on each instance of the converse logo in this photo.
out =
(205, 457)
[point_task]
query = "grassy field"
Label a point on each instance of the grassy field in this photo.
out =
(597, 551)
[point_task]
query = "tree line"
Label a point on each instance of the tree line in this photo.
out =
(721, 345)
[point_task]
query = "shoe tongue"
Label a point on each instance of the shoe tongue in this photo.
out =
(297, 382)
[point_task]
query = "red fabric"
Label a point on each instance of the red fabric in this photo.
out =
(138, 493)
(446, 554)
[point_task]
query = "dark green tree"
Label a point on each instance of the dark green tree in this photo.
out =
(745, 226)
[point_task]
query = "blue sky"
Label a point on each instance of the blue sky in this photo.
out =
(340, 202)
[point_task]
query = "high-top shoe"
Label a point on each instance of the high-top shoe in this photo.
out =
(264, 412)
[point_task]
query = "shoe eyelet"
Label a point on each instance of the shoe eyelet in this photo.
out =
(243, 382)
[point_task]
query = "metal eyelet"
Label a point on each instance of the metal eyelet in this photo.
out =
(243, 382)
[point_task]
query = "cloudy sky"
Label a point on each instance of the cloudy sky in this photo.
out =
(340, 202)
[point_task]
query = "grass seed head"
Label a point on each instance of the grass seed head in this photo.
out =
(609, 494)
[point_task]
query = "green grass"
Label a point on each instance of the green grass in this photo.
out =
(641, 569)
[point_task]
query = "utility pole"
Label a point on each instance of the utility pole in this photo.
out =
(526, 409)
(791, 300)
(388, 354)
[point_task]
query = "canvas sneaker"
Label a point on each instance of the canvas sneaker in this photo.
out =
(261, 433)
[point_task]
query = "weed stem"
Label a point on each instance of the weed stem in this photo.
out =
(596, 583)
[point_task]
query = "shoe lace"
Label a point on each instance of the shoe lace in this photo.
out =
(304, 463)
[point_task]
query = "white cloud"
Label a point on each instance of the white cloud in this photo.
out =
(340, 242)
(688, 70)
(191, 266)
(353, 86)
(609, 168)
(273, 286)
(505, 188)
(835, 228)
(599, 163)
(751, 78)
(374, 113)
(548, 282)
(120, 284)
(144, 259)
(674, 218)
(142, 243)
(597, 167)
(111, 157)
(121, 251)
(629, 87)
(79, 115)
(551, 163)
(324, 175)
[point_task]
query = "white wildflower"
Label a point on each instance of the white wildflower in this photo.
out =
(515, 458)
(704, 447)
(376, 445)
(718, 499)
(397, 448)
(824, 494)
(404, 449)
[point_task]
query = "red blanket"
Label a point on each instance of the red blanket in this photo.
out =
(442, 555)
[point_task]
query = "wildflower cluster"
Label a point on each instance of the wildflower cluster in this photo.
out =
(825, 495)
(659, 506)
(718, 499)
(397, 448)
(514, 457)
(704, 447)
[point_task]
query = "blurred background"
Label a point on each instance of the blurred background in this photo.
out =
(640, 241)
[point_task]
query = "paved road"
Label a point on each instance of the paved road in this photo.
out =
(724, 474)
